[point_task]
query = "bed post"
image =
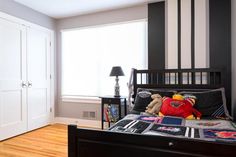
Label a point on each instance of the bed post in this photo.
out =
(134, 83)
(72, 141)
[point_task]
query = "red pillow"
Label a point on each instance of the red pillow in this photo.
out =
(178, 108)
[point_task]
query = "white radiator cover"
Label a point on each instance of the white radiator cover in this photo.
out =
(80, 110)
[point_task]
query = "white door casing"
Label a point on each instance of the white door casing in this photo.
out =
(13, 107)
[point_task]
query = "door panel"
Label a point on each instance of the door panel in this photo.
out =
(13, 111)
(38, 68)
(36, 96)
(13, 107)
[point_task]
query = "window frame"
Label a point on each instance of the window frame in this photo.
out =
(94, 99)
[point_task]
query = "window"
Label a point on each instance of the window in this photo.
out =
(88, 54)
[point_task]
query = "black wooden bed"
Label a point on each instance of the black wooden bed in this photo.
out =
(100, 143)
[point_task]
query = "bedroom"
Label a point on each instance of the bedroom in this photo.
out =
(63, 112)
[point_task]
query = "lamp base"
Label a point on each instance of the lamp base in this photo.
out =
(117, 88)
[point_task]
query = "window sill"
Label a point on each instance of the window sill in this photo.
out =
(78, 99)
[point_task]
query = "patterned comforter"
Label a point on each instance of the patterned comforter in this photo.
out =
(212, 130)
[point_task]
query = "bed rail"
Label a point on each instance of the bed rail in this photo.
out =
(100, 143)
(204, 78)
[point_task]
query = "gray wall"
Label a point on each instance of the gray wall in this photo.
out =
(73, 110)
(112, 16)
(15, 9)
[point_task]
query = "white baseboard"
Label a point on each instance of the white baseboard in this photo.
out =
(79, 122)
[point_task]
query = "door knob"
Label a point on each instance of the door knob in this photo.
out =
(29, 84)
(23, 85)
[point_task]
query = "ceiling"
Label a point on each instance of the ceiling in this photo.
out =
(66, 8)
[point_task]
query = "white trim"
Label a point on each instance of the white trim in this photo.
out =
(79, 122)
(52, 75)
(86, 100)
(103, 25)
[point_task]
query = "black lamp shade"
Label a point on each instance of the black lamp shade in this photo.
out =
(116, 71)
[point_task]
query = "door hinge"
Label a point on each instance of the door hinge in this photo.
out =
(50, 43)
(50, 109)
(50, 76)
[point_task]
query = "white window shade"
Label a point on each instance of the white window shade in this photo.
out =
(88, 54)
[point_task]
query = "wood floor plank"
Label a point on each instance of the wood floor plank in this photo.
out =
(49, 141)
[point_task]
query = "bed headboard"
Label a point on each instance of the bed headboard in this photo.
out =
(205, 78)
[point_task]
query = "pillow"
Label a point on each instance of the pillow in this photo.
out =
(179, 108)
(211, 104)
(143, 98)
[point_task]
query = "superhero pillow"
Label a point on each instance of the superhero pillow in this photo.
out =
(179, 108)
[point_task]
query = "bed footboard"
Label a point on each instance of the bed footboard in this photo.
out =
(98, 143)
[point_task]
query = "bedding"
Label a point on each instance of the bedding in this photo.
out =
(210, 130)
(211, 104)
(143, 97)
(214, 125)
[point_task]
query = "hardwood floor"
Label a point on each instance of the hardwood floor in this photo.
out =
(49, 141)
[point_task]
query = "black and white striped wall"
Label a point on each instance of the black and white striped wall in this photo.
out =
(190, 34)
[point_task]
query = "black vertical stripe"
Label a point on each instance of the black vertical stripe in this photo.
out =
(179, 42)
(193, 38)
(156, 35)
(193, 34)
(179, 34)
(220, 42)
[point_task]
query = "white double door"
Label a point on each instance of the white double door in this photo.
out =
(24, 78)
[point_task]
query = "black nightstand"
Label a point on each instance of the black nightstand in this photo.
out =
(114, 101)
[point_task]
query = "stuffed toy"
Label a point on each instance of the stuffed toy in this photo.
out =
(179, 106)
(178, 97)
(155, 105)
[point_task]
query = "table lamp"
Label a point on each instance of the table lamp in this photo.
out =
(117, 71)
